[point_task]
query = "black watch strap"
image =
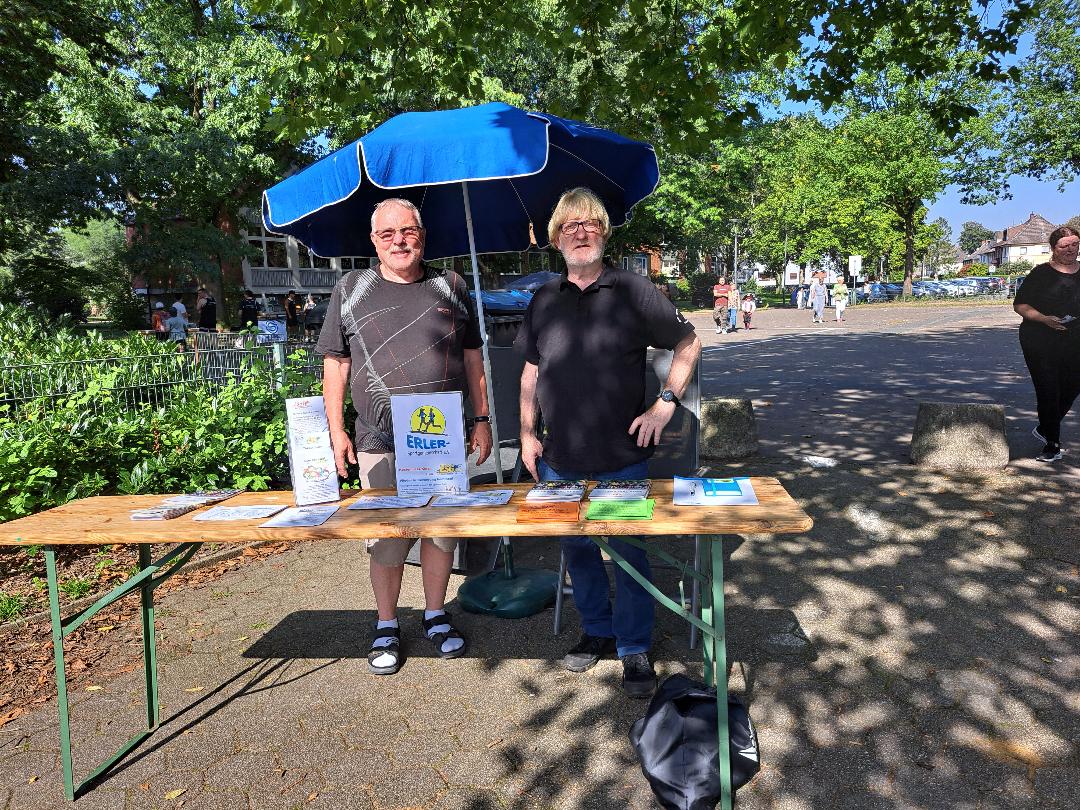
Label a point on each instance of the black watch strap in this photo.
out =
(669, 396)
(481, 419)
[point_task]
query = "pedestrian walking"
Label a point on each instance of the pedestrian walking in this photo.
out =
(206, 307)
(722, 296)
(800, 297)
(840, 297)
(733, 307)
(158, 321)
(178, 326)
(307, 315)
(748, 308)
(816, 299)
(1049, 303)
(249, 310)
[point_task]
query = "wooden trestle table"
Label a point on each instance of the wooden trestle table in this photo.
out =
(105, 520)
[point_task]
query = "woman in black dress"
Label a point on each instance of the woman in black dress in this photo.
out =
(1049, 302)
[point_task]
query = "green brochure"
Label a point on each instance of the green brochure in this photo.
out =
(620, 510)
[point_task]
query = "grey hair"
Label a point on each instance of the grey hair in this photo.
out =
(403, 204)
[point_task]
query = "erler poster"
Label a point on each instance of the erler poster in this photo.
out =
(429, 443)
(311, 458)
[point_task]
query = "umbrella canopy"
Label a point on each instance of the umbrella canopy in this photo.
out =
(516, 164)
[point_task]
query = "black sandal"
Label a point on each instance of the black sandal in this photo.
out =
(392, 649)
(438, 639)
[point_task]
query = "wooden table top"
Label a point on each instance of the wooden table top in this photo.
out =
(105, 519)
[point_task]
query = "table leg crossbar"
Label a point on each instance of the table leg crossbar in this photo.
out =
(711, 625)
(150, 575)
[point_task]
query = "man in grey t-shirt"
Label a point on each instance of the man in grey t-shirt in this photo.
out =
(400, 327)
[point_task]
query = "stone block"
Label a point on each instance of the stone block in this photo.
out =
(959, 436)
(728, 429)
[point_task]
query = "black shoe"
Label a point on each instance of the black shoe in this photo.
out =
(587, 652)
(639, 677)
(1052, 452)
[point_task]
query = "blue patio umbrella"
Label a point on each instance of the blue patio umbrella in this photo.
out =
(484, 178)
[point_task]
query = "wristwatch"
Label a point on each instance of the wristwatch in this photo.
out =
(477, 419)
(669, 396)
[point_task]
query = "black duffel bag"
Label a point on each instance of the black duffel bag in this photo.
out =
(676, 743)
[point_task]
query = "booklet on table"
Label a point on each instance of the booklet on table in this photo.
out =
(628, 490)
(713, 492)
(556, 491)
(390, 502)
(241, 512)
(177, 505)
(296, 516)
(620, 510)
(489, 497)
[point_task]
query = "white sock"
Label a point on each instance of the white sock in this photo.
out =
(450, 644)
(384, 660)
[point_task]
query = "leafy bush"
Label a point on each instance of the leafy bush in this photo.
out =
(701, 285)
(90, 442)
(683, 288)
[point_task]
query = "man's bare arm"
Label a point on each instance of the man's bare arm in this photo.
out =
(480, 440)
(531, 448)
(651, 423)
(335, 380)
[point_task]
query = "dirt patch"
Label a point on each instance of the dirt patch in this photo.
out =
(108, 644)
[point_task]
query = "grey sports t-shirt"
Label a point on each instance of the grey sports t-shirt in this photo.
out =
(401, 338)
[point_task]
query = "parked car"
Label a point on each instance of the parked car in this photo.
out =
(876, 294)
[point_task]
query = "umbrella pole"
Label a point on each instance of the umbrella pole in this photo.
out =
(511, 594)
(508, 559)
(483, 336)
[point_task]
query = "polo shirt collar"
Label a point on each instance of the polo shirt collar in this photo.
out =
(608, 278)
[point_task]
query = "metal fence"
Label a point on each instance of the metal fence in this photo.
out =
(213, 360)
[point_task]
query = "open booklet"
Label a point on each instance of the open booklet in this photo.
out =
(713, 492)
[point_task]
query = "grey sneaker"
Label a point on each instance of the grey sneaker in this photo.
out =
(1052, 452)
(587, 652)
(639, 677)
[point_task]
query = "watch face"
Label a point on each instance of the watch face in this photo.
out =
(667, 396)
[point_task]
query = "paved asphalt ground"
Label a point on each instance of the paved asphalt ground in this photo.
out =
(916, 649)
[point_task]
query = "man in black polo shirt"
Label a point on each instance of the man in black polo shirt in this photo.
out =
(585, 339)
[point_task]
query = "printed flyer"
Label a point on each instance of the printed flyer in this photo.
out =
(429, 443)
(311, 458)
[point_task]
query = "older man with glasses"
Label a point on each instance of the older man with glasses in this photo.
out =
(585, 339)
(400, 327)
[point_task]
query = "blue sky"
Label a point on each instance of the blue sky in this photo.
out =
(1040, 197)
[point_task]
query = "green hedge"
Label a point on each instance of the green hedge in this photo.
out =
(88, 443)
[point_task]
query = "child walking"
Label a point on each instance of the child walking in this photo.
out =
(748, 308)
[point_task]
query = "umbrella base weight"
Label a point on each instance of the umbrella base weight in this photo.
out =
(528, 592)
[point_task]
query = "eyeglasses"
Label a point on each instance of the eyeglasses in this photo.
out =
(388, 234)
(571, 227)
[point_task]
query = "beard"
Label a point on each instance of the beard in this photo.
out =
(578, 257)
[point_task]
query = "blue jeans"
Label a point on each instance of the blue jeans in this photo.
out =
(630, 623)
(732, 315)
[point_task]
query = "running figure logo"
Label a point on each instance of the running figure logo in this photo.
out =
(427, 419)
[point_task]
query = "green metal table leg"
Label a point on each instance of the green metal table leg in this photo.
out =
(61, 674)
(718, 642)
(151, 574)
(149, 641)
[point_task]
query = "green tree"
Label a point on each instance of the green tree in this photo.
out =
(680, 57)
(1042, 129)
(973, 234)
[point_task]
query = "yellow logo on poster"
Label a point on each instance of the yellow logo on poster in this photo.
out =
(427, 419)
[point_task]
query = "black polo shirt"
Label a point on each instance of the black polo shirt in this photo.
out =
(590, 346)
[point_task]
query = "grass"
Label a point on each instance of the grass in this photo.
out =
(11, 606)
(76, 587)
